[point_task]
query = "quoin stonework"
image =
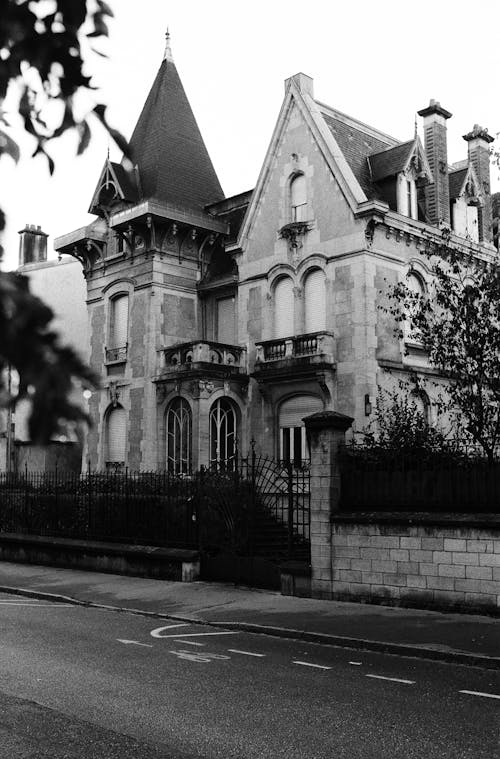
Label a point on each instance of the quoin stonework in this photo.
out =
(216, 320)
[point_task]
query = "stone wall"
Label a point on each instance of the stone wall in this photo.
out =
(442, 562)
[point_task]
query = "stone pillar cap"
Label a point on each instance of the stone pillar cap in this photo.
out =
(328, 420)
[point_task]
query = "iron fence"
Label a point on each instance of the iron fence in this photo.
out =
(392, 480)
(247, 504)
(130, 507)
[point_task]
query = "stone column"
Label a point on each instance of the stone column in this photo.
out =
(326, 432)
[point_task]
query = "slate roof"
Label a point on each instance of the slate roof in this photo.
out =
(390, 162)
(126, 182)
(356, 144)
(456, 180)
(167, 146)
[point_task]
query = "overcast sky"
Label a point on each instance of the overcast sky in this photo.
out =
(377, 61)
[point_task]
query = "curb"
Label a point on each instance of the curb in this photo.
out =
(339, 641)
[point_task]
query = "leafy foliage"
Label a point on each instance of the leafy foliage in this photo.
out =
(400, 427)
(458, 324)
(44, 48)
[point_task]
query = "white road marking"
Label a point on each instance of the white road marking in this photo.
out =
(478, 693)
(133, 642)
(192, 635)
(355, 663)
(24, 603)
(203, 657)
(392, 679)
(308, 664)
(157, 632)
(190, 642)
(245, 653)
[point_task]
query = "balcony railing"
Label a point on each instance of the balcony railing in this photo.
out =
(181, 356)
(116, 354)
(297, 346)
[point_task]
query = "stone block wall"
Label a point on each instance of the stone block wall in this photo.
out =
(426, 563)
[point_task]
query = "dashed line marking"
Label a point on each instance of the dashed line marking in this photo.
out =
(392, 679)
(478, 693)
(189, 642)
(245, 653)
(133, 643)
(355, 663)
(190, 635)
(310, 664)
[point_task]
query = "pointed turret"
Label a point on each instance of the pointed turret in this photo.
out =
(172, 161)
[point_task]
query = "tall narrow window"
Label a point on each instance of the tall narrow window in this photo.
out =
(226, 332)
(292, 432)
(179, 436)
(408, 197)
(119, 322)
(416, 288)
(283, 308)
(223, 430)
(315, 302)
(298, 198)
(116, 426)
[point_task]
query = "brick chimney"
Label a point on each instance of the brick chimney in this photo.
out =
(32, 245)
(437, 194)
(478, 142)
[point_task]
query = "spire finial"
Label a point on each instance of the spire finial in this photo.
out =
(168, 50)
(415, 133)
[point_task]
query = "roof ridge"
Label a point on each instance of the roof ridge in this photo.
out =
(372, 131)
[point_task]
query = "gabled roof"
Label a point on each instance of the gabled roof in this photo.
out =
(457, 179)
(392, 161)
(119, 181)
(168, 149)
(356, 141)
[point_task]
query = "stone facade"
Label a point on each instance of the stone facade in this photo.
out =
(245, 314)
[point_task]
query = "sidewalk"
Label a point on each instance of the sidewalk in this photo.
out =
(458, 638)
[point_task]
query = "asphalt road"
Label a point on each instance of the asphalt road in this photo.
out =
(83, 682)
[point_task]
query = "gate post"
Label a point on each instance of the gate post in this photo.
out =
(325, 433)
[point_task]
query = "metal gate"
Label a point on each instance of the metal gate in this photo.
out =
(253, 514)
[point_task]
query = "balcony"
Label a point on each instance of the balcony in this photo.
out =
(204, 359)
(116, 355)
(298, 355)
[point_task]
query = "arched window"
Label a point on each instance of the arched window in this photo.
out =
(292, 432)
(283, 308)
(223, 431)
(298, 198)
(421, 402)
(417, 290)
(315, 301)
(179, 436)
(116, 429)
(119, 321)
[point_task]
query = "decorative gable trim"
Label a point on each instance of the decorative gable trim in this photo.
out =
(108, 179)
(329, 148)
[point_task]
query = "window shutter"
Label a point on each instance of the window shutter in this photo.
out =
(292, 411)
(283, 308)
(119, 334)
(116, 435)
(315, 302)
(226, 321)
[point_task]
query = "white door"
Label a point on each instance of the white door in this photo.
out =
(293, 444)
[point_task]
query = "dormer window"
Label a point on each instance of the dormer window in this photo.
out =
(465, 202)
(298, 198)
(407, 194)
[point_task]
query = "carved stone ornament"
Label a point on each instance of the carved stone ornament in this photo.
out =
(206, 388)
(161, 393)
(114, 393)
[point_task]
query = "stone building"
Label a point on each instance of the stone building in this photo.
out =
(59, 283)
(216, 320)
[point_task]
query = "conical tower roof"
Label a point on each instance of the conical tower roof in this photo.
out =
(167, 146)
